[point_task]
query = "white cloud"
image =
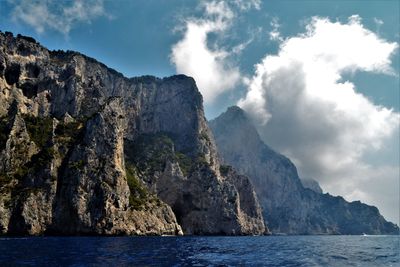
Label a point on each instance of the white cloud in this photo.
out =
(307, 111)
(238, 49)
(59, 16)
(192, 55)
(375, 185)
(378, 23)
(274, 34)
(209, 63)
(247, 4)
(254, 35)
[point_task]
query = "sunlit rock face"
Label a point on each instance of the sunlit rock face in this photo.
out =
(289, 207)
(85, 150)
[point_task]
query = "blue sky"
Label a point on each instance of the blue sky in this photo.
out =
(351, 147)
(135, 37)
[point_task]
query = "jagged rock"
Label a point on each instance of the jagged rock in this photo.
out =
(289, 207)
(82, 151)
(311, 184)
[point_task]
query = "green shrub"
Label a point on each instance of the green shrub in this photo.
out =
(185, 163)
(224, 169)
(67, 133)
(77, 165)
(4, 132)
(40, 129)
(149, 152)
(138, 193)
(21, 172)
(4, 179)
(36, 163)
(201, 160)
(204, 136)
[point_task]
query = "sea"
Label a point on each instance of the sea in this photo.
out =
(201, 251)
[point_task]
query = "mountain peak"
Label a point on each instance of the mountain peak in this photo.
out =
(235, 109)
(311, 184)
(234, 113)
(288, 206)
(235, 124)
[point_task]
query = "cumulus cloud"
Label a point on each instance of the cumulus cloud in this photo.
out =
(59, 16)
(247, 4)
(307, 110)
(378, 23)
(210, 66)
(274, 34)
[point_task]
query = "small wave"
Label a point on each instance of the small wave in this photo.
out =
(202, 251)
(381, 257)
(14, 238)
(338, 257)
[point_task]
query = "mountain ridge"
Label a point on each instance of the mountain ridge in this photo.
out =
(288, 206)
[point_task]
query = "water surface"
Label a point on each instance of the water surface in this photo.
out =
(201, 251)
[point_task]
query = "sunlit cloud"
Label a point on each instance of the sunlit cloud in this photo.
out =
(192, 55)
(274, 34)
(305, 108)
(61, 16)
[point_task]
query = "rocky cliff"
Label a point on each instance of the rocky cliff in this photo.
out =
(311, 184)
(85, 150)
(288, 206)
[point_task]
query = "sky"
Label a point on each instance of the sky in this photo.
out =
(320, 79)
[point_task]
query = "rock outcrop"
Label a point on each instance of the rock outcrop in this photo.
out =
(85, 150)
(311, 184)
(288, 206)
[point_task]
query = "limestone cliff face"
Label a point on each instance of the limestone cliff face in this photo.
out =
(171, 149)
(84, 150)
(288, 206)
(311, 184)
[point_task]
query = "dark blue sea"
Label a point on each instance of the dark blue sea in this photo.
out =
(201, 251)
